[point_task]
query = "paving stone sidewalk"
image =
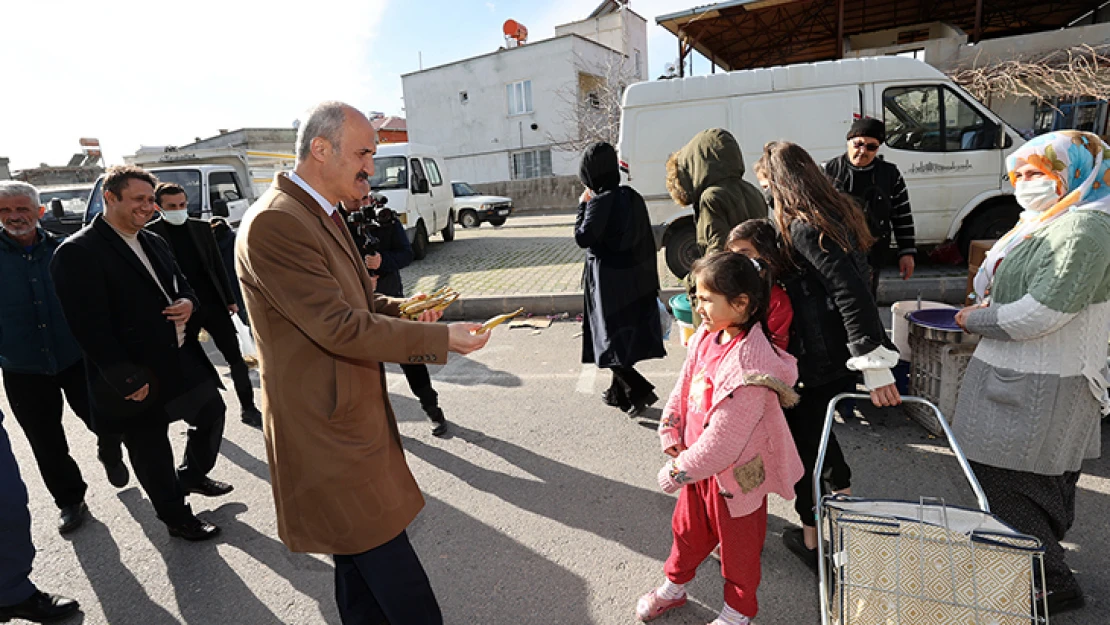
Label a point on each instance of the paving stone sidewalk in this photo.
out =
(528, 255)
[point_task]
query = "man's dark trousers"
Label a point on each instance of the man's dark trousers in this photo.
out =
(385, 585)
(219, 326)
(16, 550)
(148, 446)
(36, 401)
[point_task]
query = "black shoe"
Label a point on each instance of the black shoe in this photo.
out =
(640, 405)
(609, 398)
(794, 539)
(73, 516)
(118, 475)
(194, 530)
(1066, 601)
(210, 488)
(251, 416)
(41, 607)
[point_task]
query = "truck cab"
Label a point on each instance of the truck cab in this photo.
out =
(213, 191)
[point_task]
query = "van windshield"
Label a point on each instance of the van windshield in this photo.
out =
(390, 172)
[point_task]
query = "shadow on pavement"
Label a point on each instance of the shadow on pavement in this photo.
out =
(122, 598)
(480, 575)
(613, 510)
(246, 460)
(207, 588)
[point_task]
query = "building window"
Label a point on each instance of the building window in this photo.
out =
(520, 97)
(593, 100)
(531, 164)
(639, 66)
(464, 97)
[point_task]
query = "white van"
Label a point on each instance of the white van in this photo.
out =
(950, 148)
(212, 191)
(413, 180)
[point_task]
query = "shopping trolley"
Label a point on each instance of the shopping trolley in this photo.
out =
(890, 562)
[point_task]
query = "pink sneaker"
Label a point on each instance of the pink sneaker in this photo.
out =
(652, 606)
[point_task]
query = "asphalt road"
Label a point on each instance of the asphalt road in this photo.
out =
(542, 507)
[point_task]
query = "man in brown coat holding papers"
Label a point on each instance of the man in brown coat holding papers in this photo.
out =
(341, 483)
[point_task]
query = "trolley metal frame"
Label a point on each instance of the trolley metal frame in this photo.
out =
(1037, 615)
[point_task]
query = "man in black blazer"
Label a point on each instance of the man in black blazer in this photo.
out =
(194, 247)
(128, 304)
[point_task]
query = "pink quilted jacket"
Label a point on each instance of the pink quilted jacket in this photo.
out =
(746, 444)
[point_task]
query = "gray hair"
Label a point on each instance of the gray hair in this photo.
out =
(325, 120)
(15, 188)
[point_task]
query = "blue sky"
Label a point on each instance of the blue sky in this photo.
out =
(134, 72)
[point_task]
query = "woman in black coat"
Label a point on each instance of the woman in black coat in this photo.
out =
(621, 281)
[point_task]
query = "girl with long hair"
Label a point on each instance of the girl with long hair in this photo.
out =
(837, 331)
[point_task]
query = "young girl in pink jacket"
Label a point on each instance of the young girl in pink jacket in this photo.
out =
(727, 438)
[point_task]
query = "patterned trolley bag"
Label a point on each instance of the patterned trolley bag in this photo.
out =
(893, 562)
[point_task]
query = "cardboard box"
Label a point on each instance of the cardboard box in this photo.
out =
(976, 254)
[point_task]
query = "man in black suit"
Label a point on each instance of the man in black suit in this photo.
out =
(128, 305)
(194, 247)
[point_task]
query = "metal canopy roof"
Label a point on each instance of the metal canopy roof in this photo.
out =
(743, 34)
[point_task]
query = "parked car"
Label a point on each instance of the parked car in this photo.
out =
(950, 148)
(66, 215)
(473, 208)
(412, 178)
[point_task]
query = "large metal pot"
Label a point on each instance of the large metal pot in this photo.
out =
(938, 325)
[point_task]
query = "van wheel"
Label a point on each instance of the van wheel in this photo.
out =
(988, 222)
(469, 219)
(420, 242)
(448, 231)
(682, 249)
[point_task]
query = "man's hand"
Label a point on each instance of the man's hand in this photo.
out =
(585, 197)
(906, 266)
(180, 311)
(674, 450)
(461, 340)
(430, 316)
(233, 309)
(140, 394)
(886, 396)
(373, 262)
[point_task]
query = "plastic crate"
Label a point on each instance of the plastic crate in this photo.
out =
(936, 370)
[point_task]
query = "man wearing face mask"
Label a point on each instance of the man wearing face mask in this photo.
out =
(878, 187)
(195, 249)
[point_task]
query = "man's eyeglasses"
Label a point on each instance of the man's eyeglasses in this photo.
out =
(863, 145)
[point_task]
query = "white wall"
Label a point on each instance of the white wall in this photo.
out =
(623, 31)
(477, 138)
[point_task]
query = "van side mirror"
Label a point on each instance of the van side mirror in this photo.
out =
(56, 209)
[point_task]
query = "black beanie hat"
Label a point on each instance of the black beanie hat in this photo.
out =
(868, 127)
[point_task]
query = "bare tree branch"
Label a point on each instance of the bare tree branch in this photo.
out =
(1082, 70)
(591, 106)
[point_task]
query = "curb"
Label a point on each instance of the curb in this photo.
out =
(947, 289)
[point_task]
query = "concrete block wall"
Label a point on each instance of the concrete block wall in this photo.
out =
(553, 193)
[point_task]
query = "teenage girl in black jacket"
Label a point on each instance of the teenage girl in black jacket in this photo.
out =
(836, 331)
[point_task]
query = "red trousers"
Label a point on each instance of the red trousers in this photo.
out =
(701, 521)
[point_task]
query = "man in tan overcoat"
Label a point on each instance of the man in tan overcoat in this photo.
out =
(341, 483)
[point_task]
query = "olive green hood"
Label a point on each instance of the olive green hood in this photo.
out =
(710, 159)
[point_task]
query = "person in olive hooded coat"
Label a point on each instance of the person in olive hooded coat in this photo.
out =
(707, 174)
(621, 281)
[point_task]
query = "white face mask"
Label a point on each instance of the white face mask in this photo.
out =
(176, 217)
(1037, 195)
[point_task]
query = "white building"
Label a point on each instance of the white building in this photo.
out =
(509, 114)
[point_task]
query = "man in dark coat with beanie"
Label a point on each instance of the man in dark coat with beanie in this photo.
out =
(878, 187)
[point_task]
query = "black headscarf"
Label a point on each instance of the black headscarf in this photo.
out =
(600, 169)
